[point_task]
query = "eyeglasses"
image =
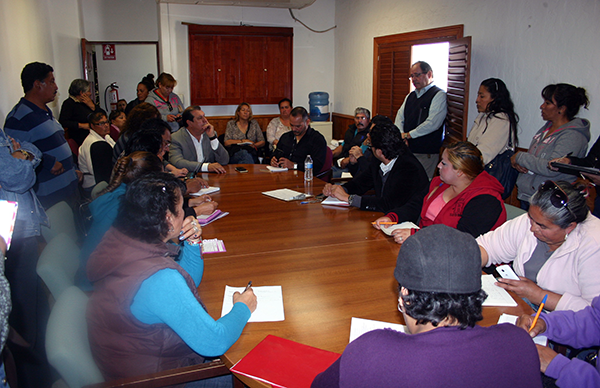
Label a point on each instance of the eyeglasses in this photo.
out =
(415, 75)
(558, 197)
(102, 123)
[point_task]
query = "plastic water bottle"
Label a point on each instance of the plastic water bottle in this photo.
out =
(308, 168)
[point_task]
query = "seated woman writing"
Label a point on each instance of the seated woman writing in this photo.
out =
(554, 249)
(145, 314)
(464, 196)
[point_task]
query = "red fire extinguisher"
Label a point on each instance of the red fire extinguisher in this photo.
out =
(113, 95)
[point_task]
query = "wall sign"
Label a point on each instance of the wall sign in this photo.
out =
(108, 52)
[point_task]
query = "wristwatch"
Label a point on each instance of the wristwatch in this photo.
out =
(212, 138)
(350, 198)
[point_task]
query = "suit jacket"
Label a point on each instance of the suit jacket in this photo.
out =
(405, 187)
(183, 153)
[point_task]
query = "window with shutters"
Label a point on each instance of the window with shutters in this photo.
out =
(231, 64)
(392, 61)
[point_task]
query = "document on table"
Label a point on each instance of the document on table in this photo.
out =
(208, 190)
(213, 246)
(405, 225)
(334, 201)
(270, 303)
(497, 296)
(507, 318)
(276, 169)
(286, 194)
(360, 326)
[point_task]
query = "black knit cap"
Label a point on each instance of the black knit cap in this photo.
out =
(439, 259)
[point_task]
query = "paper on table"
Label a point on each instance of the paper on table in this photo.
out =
(286, 194)
(270, 303)
(346, 175)
(334, 201)
(208, 190)
(276, 169)
(213, 246)
(405, 225)
(360, 326)
(497, 296)
(508, 318)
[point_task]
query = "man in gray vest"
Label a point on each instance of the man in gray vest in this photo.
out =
(421, 117)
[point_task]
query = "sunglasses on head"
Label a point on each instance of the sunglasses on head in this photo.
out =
(558, 197)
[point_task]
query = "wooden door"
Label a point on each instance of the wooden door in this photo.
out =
(229, 71)
(255, 70)
(459, 67)
(90, 68)
(203, 52)
(278, 69)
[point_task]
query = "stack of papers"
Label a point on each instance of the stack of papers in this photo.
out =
(497, 296)
(360, 326)
(276, 169)
(270, 303)
(286, 194)
(213, 246)
(208, 190)
(207, 219)
(388, 229)
(334, 202)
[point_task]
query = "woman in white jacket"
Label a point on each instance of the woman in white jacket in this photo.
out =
(554, 249)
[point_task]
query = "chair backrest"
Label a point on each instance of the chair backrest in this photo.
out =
(326, 173)
(98, 188)
(58, 264)
(513, 211)
(61, 221)
(67, 345)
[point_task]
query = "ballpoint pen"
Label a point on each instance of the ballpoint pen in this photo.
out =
(248, 286)
(537, 316)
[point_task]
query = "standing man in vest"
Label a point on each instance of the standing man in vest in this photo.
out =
(421, 117)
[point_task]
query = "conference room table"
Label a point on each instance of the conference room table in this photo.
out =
(330, 261)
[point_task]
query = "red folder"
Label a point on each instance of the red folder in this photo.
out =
(284, 363)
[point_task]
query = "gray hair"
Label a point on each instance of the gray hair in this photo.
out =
(576, 209)
(364, 111)
(78, 86)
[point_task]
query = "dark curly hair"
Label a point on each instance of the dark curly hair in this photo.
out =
(386, 137)
(130, 167)
(501, 103)
(140, 113)
(569, 96)
(434, 307)
(143, 209)
(148, 138)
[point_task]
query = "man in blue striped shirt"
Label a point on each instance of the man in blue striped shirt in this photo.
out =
(31, 120)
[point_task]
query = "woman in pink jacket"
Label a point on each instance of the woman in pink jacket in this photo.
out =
(554, 249)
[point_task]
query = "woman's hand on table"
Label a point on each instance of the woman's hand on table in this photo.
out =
(400, 235)
(205, 208)
(247, 297)
(190, 230)
(196, 184)
(525, 321)
(179, 172)
(377, 223)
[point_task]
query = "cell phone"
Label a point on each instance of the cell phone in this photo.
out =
(506, 272)
(241, 169)
(8, 215)
(190, 175)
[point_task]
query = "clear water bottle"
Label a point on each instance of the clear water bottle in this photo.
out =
(308, 168)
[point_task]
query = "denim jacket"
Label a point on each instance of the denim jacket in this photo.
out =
(17, 178)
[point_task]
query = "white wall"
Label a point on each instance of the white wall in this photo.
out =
(133, 61)
(527, 43)
(313, 53)
(120, 20)
(38, 30)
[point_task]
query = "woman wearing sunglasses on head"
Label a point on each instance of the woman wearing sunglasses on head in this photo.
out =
(554, 249)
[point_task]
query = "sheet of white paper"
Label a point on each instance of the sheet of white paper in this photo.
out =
(286, 194)
(276, 169)
(405, 225)
(507, 318)
(208, 190)
(497, 296)
(270, 303)
(346, 175)
(360, 326)
(213, 246)
(334, 201)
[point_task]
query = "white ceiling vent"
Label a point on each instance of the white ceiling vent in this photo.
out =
(294, 4)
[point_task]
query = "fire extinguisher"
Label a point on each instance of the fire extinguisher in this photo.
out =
(113, 95)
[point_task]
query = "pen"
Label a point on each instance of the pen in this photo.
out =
(248, 286)
(537, 316)
(385, 223)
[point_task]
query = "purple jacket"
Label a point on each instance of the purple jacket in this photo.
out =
(578, 329)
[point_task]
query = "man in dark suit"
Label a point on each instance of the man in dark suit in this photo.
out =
(195, 146)
(394, 173)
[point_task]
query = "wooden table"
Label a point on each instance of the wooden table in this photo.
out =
(331, 263)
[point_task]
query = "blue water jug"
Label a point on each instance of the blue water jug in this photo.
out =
(319, 106)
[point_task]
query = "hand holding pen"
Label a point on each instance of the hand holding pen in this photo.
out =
(247, 297)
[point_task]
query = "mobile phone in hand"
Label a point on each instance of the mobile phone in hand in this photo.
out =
(506, 272)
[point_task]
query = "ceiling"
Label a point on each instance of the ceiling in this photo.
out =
(294, 4)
